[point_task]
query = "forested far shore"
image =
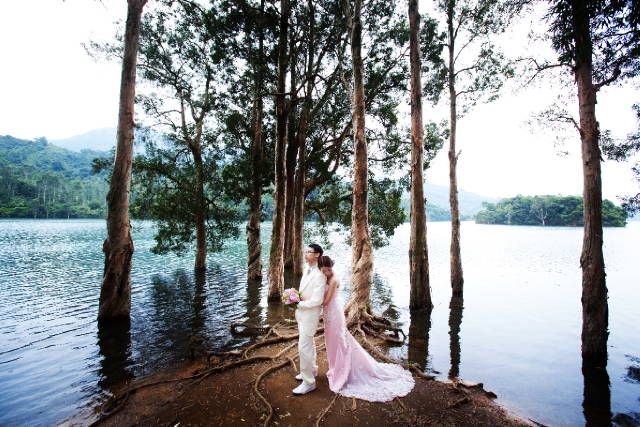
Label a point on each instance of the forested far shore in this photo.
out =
(547, 211)
(41, 180)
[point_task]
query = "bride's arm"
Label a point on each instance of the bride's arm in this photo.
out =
(333, 284)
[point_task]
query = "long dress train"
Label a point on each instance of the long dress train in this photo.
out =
(352, 371)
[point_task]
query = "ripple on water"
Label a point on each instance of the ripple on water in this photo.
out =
(517, 329)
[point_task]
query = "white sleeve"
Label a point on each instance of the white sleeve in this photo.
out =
(317, 297)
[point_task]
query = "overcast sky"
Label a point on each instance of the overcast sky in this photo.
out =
(51, 88)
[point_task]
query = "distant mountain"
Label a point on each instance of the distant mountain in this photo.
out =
(40, 156)
(99, 140)
(438, 202)
(470, 203)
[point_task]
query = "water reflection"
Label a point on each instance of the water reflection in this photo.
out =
(419, 328)
(383, 302)
(252, 301)
(455, 320)
(114, 343)
(597, 395)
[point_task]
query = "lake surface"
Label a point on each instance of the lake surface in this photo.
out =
(517, 329)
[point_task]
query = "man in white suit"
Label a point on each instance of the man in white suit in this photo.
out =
(307, 315)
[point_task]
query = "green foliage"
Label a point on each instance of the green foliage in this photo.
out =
(40, 180)
(546, 210)
(331, 206)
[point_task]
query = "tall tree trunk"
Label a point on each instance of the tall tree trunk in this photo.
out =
(301, 139)
(420, 293)
(301, 177)
(595, 312)
(456, 262)
(362, 252)
(254, 246)
(292, 153)
(115, 290)
(200, 211)
(276, 262)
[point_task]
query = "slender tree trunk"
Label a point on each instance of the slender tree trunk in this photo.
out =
(301, 177)
(115, 290)
(276, 262)
(292, 152)
(362, 252)
(456, 262)
(595, 312)
(420, 293)
(254, 246)
(200, 211)
(456, 306)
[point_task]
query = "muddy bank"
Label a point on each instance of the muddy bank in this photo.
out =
(253, 387)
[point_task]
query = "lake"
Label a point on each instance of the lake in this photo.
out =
(517, 329)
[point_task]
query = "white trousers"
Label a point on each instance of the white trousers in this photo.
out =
(307, 352)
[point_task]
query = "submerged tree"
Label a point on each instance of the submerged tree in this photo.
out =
(420, 295)
(183, 61)
(276, 252)
(115, 290)
(474, 70)
(599, 40)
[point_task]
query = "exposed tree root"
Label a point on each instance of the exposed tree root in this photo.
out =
(369, 325)
(325, 410)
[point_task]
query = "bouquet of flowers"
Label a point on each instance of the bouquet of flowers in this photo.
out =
(290, 297)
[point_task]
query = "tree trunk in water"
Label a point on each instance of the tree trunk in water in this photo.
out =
(254, 246)
(420, 293)
(595, 312)
(276, 261)
(200, 214)
(115, 290)
(456, 262)
(362, 253)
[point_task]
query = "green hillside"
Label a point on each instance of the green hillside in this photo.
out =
(41, 180)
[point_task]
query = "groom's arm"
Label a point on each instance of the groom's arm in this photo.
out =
(318, 293)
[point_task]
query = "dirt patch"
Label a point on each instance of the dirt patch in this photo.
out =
(253, 388)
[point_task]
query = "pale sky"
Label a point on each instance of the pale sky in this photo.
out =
(51, 88)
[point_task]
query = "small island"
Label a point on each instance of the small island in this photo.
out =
(546, 211)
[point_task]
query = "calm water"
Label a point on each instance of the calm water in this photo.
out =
(517, 329)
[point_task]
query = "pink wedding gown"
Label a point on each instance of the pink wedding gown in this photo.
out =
(352, 371)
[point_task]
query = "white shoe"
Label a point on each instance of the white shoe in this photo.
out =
(299, 376)
(304, 388)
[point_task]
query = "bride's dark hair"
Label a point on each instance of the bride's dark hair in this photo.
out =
(325, 261)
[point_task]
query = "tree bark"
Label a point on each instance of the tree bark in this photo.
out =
(420, 293)
(200, 209)
(455, 261)
(595, 312)
(292, 153)
(254, 245)
(362, 252)
(115, 289)
(298, 219)
(276, 253)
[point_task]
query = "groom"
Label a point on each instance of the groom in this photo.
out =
(307, 314)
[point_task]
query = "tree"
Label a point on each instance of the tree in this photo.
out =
(362, 251)
(115, 290)
(474, 70)
(276, 253)
(420, 295)
(598, 40)
(540, 209)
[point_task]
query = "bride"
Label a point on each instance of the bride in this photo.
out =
(352, 371)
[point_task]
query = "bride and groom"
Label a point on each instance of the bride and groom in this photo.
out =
(352, 371)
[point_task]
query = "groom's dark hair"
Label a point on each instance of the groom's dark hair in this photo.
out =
(316, 248)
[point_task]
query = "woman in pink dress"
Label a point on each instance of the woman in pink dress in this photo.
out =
(352, 371)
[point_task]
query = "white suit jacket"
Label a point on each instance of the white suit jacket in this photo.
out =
(308, 312)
